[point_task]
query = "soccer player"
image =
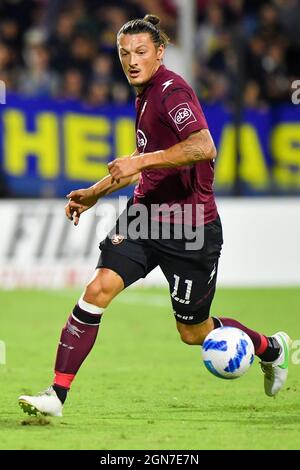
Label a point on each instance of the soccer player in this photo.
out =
(173, 165)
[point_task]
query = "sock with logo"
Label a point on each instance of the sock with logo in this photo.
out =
(76, 341)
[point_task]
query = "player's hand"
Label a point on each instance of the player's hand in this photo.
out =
(124, 167)
(79, 201)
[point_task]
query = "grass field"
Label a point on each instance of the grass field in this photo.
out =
(141, 388)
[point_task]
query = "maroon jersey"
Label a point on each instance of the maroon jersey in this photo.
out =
(168, 111)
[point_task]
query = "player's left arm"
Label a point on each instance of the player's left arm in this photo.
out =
(197, 147)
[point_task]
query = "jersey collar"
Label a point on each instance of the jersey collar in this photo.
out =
(161, 69)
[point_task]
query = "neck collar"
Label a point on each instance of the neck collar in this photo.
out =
(157, 74)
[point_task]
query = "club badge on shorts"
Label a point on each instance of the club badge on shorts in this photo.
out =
(117, 238)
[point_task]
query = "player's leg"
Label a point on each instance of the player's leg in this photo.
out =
(192, 280)
(76, 341)
(80, 332)
(115, 272)
(272, 350)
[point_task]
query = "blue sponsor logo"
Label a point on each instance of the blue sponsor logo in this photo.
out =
(216, 345)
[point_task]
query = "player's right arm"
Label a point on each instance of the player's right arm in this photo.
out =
(81, 200)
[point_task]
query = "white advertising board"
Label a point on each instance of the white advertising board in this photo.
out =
(40, 248)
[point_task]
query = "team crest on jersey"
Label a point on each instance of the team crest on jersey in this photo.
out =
(182, 115)
(141, 141)
(117, 238)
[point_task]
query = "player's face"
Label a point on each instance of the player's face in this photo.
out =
(140, 58)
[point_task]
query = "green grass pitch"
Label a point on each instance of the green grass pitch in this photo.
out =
(141, 387)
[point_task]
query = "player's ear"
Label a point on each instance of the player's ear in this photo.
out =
(160, 51)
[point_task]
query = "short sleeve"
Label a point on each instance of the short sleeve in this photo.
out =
(181, 110)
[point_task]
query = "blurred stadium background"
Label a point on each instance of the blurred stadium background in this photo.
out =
(66, 110)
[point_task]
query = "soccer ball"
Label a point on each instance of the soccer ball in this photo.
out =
(227, 352)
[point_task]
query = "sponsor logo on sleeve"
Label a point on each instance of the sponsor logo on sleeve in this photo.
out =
(182, 115)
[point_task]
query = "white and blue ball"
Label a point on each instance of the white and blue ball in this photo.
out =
(227, 352)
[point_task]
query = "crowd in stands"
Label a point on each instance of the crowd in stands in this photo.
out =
(67, 49)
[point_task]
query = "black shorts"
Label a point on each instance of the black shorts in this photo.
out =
(191, 274)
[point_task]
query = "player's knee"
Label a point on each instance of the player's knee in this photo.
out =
(100, 291)
(94, 295)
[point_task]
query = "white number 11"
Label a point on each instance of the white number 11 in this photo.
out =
(189, 283)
